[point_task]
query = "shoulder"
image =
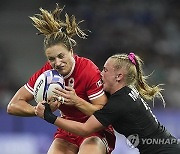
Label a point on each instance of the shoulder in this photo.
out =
(122, 98)
(86, 67)
(84, 62)
(122, 94)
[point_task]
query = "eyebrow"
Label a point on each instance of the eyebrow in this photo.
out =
(50, 57)
(60, 54)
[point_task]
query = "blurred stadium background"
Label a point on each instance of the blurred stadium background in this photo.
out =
(150, 28)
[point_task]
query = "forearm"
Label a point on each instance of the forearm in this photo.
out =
(19, 105)
(72, 126)
(83, 129)
(21, 108)
(71, 98)
(86, 107)
(43, 110)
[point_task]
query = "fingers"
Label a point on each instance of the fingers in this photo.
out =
(61, 95)
(66, 90)
(39, 109)
(60, 90)
(60, 98)
(54, 103)
(65, 96)
(69, 88)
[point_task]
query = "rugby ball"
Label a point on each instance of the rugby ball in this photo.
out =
(46, 83)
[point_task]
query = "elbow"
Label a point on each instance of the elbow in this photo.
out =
(10, 109)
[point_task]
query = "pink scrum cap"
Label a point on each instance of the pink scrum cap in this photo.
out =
(132, 57)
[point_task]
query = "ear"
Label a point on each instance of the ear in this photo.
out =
(119, 77)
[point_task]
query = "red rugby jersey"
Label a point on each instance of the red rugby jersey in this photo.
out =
(84, 78)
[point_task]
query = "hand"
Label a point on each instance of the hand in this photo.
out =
(43, 111)
(69, 95)
(54, 103)
(39, 109)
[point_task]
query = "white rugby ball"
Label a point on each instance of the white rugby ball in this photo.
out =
(46, 83)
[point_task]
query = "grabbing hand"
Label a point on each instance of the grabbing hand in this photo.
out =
(68, 94)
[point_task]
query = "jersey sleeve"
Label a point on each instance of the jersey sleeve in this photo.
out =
(94, 86)
(110, 113)
(30, 84)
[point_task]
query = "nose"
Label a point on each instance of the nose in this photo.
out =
(58, 61)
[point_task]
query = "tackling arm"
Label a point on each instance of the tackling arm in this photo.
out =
(90, 108)
(83, 129)
(71, 98)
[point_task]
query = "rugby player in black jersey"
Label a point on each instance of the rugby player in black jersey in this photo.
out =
(126, 109)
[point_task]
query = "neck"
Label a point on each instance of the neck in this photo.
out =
(117, 87)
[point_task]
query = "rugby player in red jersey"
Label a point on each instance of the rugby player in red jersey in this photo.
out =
(79, 73)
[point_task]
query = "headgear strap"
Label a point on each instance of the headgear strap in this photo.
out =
(132, 58)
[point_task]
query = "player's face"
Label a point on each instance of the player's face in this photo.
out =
(108, 76)
(60, 58)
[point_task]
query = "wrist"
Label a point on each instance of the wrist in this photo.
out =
(51, 118)
(78, 102)
(34, 109)
(48, 115)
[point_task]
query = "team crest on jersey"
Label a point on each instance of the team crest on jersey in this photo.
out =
(71, 82)
(99, 83)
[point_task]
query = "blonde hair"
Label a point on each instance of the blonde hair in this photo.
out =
(135, 76)
(55, 29)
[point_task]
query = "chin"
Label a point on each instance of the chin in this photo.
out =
(62, 72)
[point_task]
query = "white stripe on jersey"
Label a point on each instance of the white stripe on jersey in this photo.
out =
(106, 144)
(28, 88)
(96, 95)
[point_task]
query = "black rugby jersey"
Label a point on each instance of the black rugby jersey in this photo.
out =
(131, 116)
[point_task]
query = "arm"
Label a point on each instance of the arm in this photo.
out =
(71, 98)
(19, 105)
(83, 129)
(90, 108)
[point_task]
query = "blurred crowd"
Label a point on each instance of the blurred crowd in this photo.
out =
(149, 28)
